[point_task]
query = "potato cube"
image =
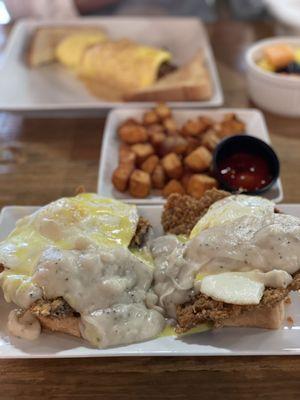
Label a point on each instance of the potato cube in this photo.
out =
(163, 111)
(126, 155)
(170, 126)
(121, 176)
(158, 177)
(199, 159)
(142, 151)
(185, 179)
(173, 186)
(192, 144)
(172, 165)
(139, 184)
(132, 134)
(157, 138)
(279, 55)
(173, 144)
(150, 163)
(230, 126)
(150, 117)
(210, 140)
(155, 128)
(192, 127)
(199, 183)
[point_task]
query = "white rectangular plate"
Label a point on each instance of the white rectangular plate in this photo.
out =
(52, 87)
(225, 341)
(255, 126)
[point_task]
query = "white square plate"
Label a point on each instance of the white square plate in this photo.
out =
(255, 126)
(52, 87)
(225, 341)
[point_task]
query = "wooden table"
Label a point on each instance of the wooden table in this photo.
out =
(43, 159)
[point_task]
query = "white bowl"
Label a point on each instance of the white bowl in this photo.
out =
(273, 92)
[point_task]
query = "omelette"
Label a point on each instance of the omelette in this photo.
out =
(70, 50)
(123, 65)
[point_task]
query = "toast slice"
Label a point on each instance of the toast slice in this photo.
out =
(267, 318)
(189, 83)
(57, 316)
(44, 40)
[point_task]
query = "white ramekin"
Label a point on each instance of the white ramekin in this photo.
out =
(273, 92)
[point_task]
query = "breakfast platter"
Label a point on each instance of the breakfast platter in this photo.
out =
(56, 86)
(226, 341)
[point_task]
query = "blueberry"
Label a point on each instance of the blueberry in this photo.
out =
(291, 68)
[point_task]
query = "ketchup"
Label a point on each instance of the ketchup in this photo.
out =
(245, 171)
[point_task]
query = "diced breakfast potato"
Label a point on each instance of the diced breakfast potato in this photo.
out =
(150, 117)
(158, 177)
(192, 127)
(157, 139)
(142, 151)
(172, 165)
(230, 125)
(121, 176)
(198, 160)
(210, 140)
(158, 153)
(173, 186)
(199, 183)
(150, 163)
(132, 133)
(154, 128)
(170, 126)
(126, 155)
(163, 111)
(185, 179)
(173, 144)
(139, 184)
(192, 144)
(279, 55)
(200, 125)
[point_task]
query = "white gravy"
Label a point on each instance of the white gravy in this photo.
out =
(110, 288)
(267, 244)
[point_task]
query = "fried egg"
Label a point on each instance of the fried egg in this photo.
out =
(122, 64)
(231, 208)
(68, 223)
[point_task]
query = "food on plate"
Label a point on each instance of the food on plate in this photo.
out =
(123, 63)
(177, 157)
(77, 266)
(191, 82)
(281, 58)
(235, 266)
(45, 41)
(120, 69)
(197, 185)
(71, 49)
(199, 159)
(173, 186)
(139, 183)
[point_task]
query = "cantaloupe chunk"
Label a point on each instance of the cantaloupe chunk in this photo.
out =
(279, 55)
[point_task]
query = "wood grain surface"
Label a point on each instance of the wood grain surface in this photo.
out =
(42, 159)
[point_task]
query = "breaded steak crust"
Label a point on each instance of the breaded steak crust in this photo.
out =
(181, 212)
